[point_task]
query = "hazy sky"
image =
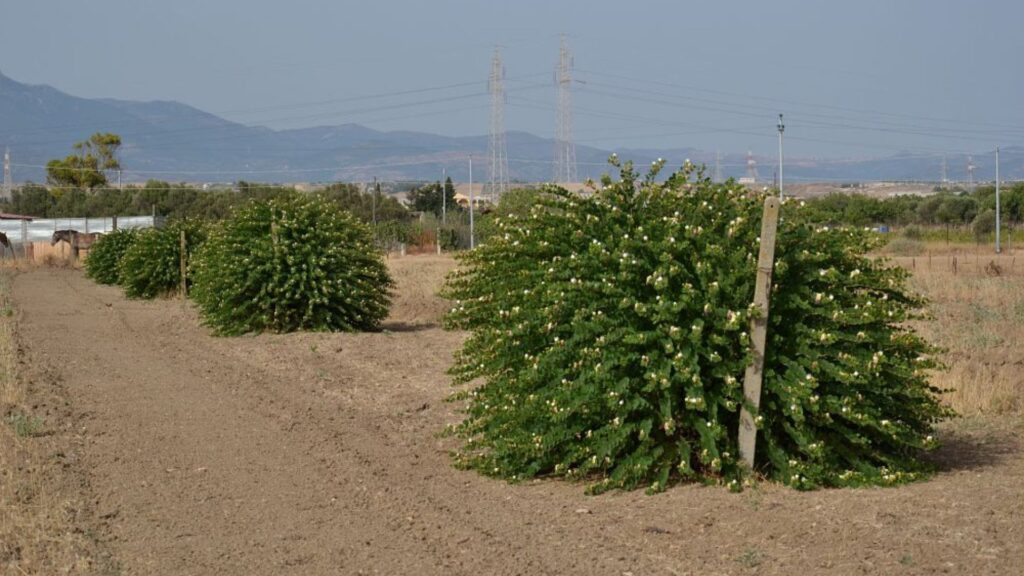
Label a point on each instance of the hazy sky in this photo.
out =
(853, 78)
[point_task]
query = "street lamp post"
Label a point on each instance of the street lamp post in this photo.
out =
(782, 128)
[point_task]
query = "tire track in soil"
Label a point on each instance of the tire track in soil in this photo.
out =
(317, 454)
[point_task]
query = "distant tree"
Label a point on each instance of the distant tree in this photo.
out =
(86, 169)
(984, 224)
(428, 198)
(1013, 203)
(366, 205)
(32, 200)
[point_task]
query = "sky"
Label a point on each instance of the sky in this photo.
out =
(853, 79)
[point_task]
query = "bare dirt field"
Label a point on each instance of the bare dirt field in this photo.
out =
(313, 454)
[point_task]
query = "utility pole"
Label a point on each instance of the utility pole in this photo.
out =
(373, 204)
(472, 238)
(444, 196)
(7, 174)
(782, 128)
(998, 215)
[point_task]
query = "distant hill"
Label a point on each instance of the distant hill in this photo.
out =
(173, 141)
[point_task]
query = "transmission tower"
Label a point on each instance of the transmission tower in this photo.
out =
(498, 143)
(970, 173)
(7, 174)
(945, 174)
(565, 150)
(751, 167)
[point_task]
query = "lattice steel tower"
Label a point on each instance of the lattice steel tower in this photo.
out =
(565, 150)
(751, 167)
(7, 174)
(498, 143)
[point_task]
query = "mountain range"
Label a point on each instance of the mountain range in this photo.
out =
(168, 140)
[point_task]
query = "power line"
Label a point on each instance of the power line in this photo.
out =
(797, 103)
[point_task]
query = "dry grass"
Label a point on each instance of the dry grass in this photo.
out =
(418, 278)
(38, 532)
(978, 309)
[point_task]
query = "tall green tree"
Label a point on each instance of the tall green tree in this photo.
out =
(87, 168)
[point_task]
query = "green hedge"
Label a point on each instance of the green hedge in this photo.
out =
(609, 339)
(291, 263)
(151, 266)
(104, 262)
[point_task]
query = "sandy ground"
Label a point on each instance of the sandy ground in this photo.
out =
(318, 454)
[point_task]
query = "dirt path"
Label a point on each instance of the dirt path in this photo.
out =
(317, 454)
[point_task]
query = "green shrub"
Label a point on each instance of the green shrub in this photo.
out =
(103, 263)
(609, 335)
(151, 266)
(984, 224)
(448, 237)
(899, 246)
(913, 233)
(291, 263)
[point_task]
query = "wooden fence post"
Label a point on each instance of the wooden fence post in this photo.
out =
(184, 267)
(759, 330)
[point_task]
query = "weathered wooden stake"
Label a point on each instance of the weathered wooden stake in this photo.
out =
(759, 330)
(184, 267)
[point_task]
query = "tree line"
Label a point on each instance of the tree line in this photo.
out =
(945, 208)
(79, 186)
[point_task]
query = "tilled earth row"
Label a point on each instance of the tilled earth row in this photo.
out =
(319, 454)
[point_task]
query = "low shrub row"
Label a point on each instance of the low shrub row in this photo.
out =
(293, 262)
(608, 334)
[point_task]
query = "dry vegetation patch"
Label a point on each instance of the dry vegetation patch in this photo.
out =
(978, 310)
(40, 511)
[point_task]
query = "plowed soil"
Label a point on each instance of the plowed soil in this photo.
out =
(318, 454)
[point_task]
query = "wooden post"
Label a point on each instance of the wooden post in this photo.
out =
(184, 267)
(759, 330)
